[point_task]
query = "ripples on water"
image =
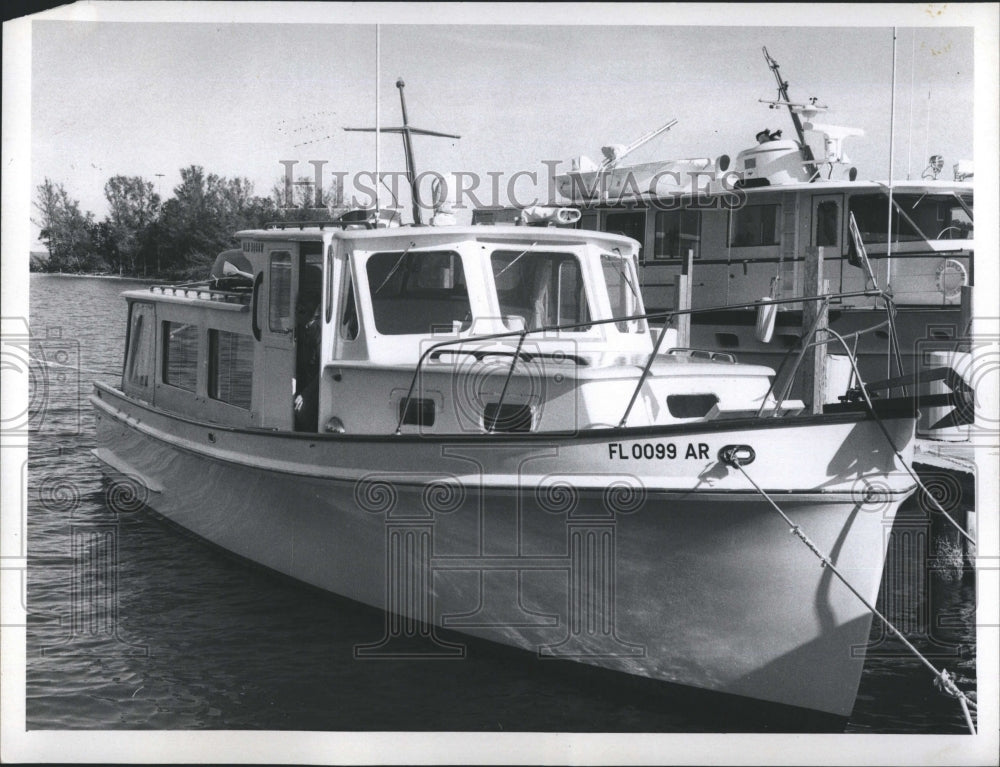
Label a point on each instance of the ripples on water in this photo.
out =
(201, 640)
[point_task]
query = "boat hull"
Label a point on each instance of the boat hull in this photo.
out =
(671, 569)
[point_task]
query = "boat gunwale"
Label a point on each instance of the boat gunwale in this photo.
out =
(839, 414)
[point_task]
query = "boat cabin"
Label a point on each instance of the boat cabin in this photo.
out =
(445, 330)
(739, 251)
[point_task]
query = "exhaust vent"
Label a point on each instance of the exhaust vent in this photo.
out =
(507, 418)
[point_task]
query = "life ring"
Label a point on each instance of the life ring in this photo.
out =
(952, 276)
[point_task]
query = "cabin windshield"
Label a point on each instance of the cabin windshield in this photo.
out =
(623, 291)
(538, 289)
(915, 217)
(418, 292)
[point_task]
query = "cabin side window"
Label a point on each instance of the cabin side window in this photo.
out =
(418, 292)
(349, 325)
(180, 355)
(676, 233)
(915, 217)
(540, 289)
(279, 290)
(139, 366)
(230, 377)
(631, 224)
(754, 226)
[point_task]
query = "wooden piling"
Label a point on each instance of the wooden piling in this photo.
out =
(682, 301)
(814, 312)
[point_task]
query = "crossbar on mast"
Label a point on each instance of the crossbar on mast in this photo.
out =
(407, 131)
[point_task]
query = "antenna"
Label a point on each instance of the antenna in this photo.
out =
(909, 130)
(407, 131)
(783, 98)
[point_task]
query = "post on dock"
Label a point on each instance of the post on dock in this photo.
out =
(682, 301)
(814, 313)
(965, 313)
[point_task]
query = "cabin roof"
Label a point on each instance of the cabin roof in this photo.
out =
(824, 185)
(820, 186)
(515, 234)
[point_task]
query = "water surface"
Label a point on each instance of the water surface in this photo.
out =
(195, 639)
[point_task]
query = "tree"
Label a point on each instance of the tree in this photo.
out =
(48, 205)
(133, 207)
(191, 227)
(299, 203)
(65, 230)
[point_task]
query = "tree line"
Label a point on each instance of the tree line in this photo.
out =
(144, 236)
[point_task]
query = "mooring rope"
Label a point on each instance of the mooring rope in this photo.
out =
(943, 680)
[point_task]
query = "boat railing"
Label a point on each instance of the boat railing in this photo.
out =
(354, 222)
(433, 351)
(834, 336)
(204, 292)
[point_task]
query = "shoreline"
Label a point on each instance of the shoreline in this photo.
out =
(121, 277)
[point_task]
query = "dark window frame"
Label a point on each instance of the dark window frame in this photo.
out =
(141, 324)
(404, 281)
(556, 259)
(744, 237)
(683, 235)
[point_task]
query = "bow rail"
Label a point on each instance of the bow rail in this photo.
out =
(647, 316)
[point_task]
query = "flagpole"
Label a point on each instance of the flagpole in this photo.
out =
(888, 239)
(378, 132)
(892, 128)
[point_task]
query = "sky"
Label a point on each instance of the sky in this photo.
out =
(145, 99)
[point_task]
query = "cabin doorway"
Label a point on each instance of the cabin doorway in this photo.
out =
(290, 292)
(274, 323)
(308, 336)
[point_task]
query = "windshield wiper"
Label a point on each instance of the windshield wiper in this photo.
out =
(624, 275)
(628, 282)
(518, 258)
(394, 268)
(904, 216)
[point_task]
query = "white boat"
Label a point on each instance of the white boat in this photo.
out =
(742, 228)
(499, 443)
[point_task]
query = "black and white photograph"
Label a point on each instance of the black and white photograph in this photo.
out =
(500, 383)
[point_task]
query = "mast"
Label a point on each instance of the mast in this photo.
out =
(783, 96)
(408, 148)
(407, 132)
